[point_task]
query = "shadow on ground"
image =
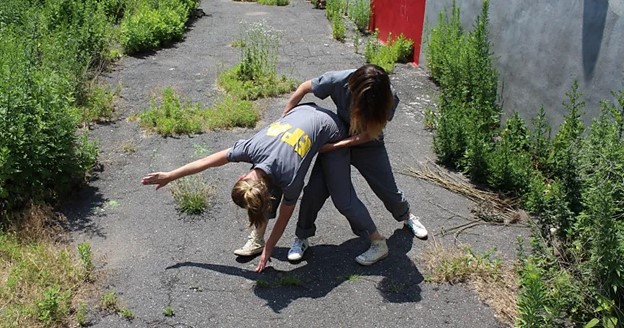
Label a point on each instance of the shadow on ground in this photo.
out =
(329, 266)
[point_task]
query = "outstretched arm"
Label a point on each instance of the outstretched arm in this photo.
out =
(347, 142)
(285, 213)
(302, 90)
(160, 179)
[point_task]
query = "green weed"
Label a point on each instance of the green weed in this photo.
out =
(191, 194)
(274, 2)
(173, 116)
(359, 12)
(395, 50)
(81, 315)
(40, 282)
(256, 75)
(338, 28)
(168, 311)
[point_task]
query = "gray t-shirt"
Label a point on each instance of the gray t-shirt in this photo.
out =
(335, 85)
(284, 149)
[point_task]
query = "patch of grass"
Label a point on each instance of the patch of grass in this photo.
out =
(359, 12)
(40, 278)
(126, 313)
(274, 2)
(129, 147)
(338, 28)
(290, 280)
(168, 311)
(108, 302)
(86, 258)
(98, 105)
(172, 116)
(386, 55)
(81, 315)
(191, 195)
(232, 112)
(495, 282)
(260, 283)
(351, 277)
(262, 86)
(283, 281)
(256, 75)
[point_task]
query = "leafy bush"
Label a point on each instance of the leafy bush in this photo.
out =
(359, 11)
(173, 116)
(338, 28)
(153, 24)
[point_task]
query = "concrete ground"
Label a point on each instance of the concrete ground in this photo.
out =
(152, 257)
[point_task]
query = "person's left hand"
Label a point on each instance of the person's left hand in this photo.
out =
(264, 258)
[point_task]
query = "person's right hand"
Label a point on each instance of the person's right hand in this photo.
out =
(160, 179)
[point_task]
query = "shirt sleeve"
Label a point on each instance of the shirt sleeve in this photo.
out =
(239, 153)
(323, 85)
(291, 194)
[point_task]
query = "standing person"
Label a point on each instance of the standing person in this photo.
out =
(365, 101)
(281, 155)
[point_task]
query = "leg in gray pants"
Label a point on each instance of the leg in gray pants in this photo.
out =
(371, 160)
(331, 175)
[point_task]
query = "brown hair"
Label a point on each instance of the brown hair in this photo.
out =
(371, 100)
(254, 196)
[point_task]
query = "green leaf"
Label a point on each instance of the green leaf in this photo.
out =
(592, 323)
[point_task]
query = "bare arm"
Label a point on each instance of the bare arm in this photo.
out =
(303, 89)
(160, 179)
(285, 213)
(347, 142)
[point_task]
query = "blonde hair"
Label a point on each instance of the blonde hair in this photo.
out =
(371, 100)
(254, 196)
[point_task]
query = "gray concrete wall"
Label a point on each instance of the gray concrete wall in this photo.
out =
(542, 46)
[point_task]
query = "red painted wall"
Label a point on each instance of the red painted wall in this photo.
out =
(399, 16)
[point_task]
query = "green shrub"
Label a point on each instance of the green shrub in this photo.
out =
(359, 12)
(173, 116)
(151, 25)
(232, 112)
(395, 50)
(338, 28)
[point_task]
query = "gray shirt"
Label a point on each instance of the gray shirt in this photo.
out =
(335, 85)
(284, 149)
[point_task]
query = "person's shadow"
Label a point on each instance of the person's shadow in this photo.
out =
(327, 267)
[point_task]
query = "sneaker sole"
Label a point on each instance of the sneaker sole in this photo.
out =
(297, 257)
(249, 253)
(364, 263)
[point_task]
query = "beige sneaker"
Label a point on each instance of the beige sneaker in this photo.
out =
(253, 246)
(378, 251)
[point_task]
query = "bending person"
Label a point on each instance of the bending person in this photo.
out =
(365, 101)
(281, 155)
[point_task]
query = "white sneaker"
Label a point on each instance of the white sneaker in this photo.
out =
(417, 228)
(297, 249)
(378, 251)
(253, 246)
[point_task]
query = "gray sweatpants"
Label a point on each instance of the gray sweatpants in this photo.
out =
(331, 176)
(371, 160)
